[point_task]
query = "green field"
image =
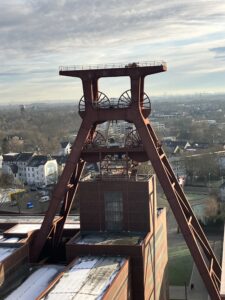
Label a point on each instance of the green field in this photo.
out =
(180, 265)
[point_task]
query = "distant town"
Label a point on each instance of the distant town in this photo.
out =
(36, 140)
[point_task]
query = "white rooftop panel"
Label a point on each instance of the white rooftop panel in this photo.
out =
(33, 219)
(61, 296)
(96, 281)
(85, 263)
(11, 240)
(72, 225)
(35, 283)
(85, 297)
(24, 228)
(87, 279)
(71, 281)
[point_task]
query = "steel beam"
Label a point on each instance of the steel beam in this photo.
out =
(65, 191)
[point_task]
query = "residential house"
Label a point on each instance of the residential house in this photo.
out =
(22, 161)
(42, 170)
(158, 126)
(15, 164)
(196, 146)
(65, 148)
(174, 147)
(30, 168)
(9, 163)
(61, 161)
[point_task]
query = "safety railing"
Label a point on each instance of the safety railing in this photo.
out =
(113, 66)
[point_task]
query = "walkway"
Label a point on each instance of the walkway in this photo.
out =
(198, 292)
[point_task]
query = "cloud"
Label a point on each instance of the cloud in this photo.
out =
(37, 36)
(218, 51)
(54, 26)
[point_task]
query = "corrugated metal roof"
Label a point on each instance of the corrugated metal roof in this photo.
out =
(35, 283)
(6, 252)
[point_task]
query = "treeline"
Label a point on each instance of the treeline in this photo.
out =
(41, 129)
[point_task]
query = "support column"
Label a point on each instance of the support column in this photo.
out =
(61, 189)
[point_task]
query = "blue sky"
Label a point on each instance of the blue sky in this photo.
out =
(37, 36)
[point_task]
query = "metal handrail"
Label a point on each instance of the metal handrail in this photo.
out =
(112, 66)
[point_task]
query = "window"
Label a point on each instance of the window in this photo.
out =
(113, 210)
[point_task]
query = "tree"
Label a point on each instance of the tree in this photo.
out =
(6, 180)
(204, 168)
(211, 209)
(5, 146)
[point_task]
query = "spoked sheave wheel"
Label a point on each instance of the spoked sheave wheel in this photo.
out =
(97, 140)
(125, 101)
(101, 102)
(133, 139)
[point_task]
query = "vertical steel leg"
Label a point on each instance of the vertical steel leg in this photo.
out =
(61, 189)
(196, 240)
(67, 203)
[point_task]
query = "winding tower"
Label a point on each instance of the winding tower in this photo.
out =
(141, 145)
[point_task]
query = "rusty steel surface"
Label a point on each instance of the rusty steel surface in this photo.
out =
(93, 113)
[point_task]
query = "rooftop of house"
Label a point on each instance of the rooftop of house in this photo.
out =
(10, 157)
(197, 145)
(65, 144)
(10, 137)
(174, 144)
(61, 159)
(39, 160)
(14, 168)
(24, 156)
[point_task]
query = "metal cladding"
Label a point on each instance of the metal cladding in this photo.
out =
(134, 107)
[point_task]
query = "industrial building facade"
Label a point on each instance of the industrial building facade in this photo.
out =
(120, 217)
(117, 256)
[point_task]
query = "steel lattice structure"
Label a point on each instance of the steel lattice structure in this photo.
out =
(133, 107)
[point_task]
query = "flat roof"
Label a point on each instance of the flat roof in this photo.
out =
(114, 177)
(88, 278)
(35, 283)
(24, 228)
(73, 219)
(109, 239)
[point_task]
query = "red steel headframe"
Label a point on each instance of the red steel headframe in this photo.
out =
(66, 188)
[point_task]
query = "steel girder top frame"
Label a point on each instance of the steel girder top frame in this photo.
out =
(92, 115)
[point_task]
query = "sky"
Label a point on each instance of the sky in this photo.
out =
(38, 36)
